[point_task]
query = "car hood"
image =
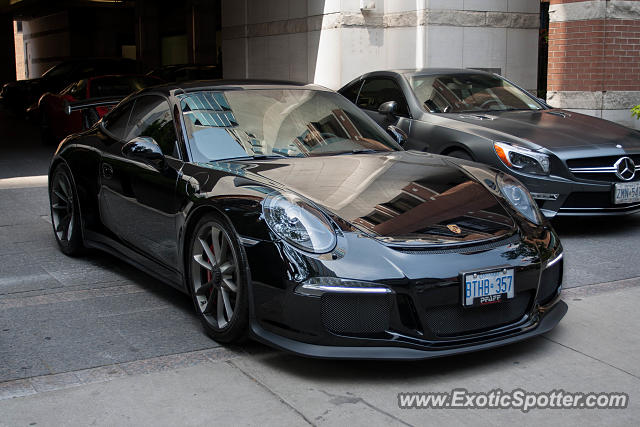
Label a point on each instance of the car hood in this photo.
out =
(26, 84)
(404, 197)
(554, 129)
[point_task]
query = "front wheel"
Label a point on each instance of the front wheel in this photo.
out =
(65, 215)
(218, 278)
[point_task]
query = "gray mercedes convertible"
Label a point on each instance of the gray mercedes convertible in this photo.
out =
(572, 164)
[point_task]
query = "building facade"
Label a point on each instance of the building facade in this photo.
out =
(594, 57)
(330, 42)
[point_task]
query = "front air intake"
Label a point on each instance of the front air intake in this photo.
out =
(360, 314)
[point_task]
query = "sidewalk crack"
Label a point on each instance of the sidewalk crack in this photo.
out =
(271, 392)
(592, 357)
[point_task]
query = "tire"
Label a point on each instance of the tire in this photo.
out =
(219, 289)
(65, 212)
(460, 154)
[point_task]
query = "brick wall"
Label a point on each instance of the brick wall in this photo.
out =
(594, 57)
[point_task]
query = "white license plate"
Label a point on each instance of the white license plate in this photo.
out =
(626, 192)
(487, 287)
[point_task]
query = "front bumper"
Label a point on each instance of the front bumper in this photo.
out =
(422, 315)
(547, 321)
(562, 196)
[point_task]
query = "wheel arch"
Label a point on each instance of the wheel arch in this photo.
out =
(457, 146)
(190, 223)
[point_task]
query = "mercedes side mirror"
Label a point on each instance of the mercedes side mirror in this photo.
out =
(397, 134)
(388, 108)
(144, 149)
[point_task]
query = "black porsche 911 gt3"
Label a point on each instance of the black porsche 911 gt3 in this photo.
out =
(290, 217)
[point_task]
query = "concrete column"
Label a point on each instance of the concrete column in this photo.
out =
(201, 31)
(147, 33)
(331, 42)
(7, 49)
(594, 58)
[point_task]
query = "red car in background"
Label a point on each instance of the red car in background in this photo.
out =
(83, 103)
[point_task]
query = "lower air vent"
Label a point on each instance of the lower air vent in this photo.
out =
(453, 320)
(356, 313)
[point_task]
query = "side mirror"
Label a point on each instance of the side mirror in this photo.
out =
(397, 134)
(389, 108)
(144, 149)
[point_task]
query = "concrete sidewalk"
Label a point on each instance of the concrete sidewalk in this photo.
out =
(596, 348)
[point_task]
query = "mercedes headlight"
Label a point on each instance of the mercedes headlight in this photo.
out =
(299, 223)
(522, 159)
(519, 197)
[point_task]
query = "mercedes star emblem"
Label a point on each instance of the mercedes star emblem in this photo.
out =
(625, 169)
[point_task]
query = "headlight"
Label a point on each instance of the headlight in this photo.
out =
(299, 223)
(522, 159)
(519, 197)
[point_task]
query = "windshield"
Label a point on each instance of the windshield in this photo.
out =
(59, 70)
(468, 93)
(277, 122)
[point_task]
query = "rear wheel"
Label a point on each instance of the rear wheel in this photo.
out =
(218, 276)
(65, 215)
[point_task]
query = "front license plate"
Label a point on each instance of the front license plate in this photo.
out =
(487, 287)
(626, 192)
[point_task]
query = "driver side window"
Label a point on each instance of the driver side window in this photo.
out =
(152, 117)
(376, 91)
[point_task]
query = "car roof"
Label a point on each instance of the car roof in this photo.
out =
(425, 72)
(170, 89)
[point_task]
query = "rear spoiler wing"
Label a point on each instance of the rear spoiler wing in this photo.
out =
(91, 103)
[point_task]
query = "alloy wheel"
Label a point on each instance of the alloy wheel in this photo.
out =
(215, 275)
(62, 210)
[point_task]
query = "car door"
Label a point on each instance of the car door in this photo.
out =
(138, 197)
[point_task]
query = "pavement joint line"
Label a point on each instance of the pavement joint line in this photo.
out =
(270, 391)
(58, 289)
(77, 295)
(100, 374)
(600, 288)
(376, 409)
(591, 357)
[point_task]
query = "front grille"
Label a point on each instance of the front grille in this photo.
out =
(600, 162)
(453, 320)
(355, 313)
(549, 281)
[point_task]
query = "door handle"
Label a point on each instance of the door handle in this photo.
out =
(107, 171)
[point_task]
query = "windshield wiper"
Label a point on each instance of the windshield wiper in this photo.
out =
(356, 151)
(254, 157)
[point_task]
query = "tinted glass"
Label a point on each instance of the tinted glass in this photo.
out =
(277, 122)
(351, 92)
(378, 91)
(119, 85)
(116, 121)
(466, 93)
(77, 90)
(59, 70)
(152, 117)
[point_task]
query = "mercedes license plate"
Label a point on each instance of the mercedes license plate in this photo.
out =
(487, 287)
(626, 192)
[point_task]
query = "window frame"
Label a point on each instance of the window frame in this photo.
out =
(177, 127)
